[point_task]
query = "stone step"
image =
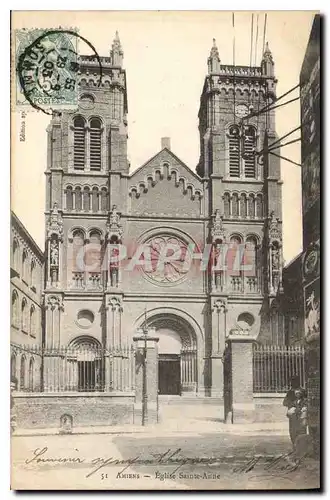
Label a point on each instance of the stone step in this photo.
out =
(189, 400)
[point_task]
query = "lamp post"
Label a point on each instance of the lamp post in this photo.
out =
(144, 383)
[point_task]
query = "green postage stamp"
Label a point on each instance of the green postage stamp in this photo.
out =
(46, 62)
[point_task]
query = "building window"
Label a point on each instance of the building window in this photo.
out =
(33, 273)
(78, 199)
(79, 143)
(234, 151)
(259, 206)
(234, 257)
(234, 205)
(95, 144)
(95, 199)
(93, 254)
(251, 213)
(78, 255)
(15, 309)
(25, 266)
(104, 199)
(249, 142)
(16, 255)
(32, 321)
(86, 199)
(31, 374)
(226, 204)
(243, 205)
(22, 373)
(24, 317)
(250, 257)
(13, 378)
(69, 198)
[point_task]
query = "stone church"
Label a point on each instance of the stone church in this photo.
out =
(193, 254)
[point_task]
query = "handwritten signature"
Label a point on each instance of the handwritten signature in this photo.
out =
(283, 463)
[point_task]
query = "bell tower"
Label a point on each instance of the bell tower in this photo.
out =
(86, 166)
(235, 125)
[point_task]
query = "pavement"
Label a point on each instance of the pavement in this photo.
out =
(199, 453)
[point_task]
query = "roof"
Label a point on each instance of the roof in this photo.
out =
(15, 221)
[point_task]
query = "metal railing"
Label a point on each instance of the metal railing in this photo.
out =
(274, 366)
(86, 368)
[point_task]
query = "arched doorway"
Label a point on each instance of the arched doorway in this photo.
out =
(177, 354)
(89, 364)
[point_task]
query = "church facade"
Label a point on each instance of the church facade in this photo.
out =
(194, 255)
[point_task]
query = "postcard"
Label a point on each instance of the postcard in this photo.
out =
(165, 250)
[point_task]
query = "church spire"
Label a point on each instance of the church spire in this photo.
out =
(267, 62)
(116, 52)
(213, 62)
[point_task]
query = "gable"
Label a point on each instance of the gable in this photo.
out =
(165, 186)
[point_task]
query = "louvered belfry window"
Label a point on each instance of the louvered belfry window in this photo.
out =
(95, 144)
(234, 151)
(249, 152)
(79, 143)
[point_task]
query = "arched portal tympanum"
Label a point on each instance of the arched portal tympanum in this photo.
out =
(177, 353)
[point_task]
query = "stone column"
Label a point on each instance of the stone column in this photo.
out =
(219, 312)
(151, 376)
(242, 378)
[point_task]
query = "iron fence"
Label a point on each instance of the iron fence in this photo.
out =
(274, 366)
(85, 368)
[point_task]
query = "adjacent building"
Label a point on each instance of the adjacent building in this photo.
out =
(310, 159)
(26, 279)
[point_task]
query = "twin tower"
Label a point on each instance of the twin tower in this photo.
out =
(232, 200)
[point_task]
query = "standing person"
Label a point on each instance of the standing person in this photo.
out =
(296, 402)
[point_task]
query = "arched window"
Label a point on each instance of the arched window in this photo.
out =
(15, 309)
(31, 374)
(13, 377)
(251, 206)
(16, 255)
(226, 204)
(69, 198)
(95, 199)
(234, 257)
(32, 321)
(250, 256)
(78, 251)
(25, 265)
(93, 252)
(33, 273)
(259, 206)
(104, 199)
(79, 143)
(86, 199)
(22, 373)
(243, 205)
(234, 151)
(250, 143)
(234, 205)
(95, 144)
(24, 317)
(78, 199)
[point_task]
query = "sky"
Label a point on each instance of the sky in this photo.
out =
(165, 57)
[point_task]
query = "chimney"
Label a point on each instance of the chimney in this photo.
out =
(166, 142)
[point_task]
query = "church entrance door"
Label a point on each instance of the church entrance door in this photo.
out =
(169, 379)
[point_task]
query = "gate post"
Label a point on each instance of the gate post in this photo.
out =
(146, 378)
(243, 409)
